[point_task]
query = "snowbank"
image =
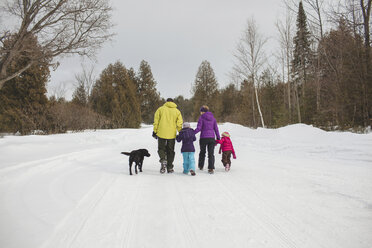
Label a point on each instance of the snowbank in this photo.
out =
(296, 186)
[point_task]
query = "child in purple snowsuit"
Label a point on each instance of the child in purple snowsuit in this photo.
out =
(187, 137)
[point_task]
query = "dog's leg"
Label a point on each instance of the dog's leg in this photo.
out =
(140, 164)
(136, 168)
(130, 168)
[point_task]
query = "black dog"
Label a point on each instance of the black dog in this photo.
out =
(137, 157)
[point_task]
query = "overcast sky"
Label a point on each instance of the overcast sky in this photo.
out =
(174, 37)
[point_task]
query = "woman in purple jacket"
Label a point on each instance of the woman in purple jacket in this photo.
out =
(207, 125)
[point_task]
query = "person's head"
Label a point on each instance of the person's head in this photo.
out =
(170, 100)
(204, 109)
(225, 134)
(186, 125)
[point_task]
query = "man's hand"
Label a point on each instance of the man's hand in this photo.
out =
(154, 135)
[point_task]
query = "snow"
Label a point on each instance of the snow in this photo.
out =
(296, 186)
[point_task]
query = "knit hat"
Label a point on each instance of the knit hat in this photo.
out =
(204, 108)
(225, 134)
(186, 125)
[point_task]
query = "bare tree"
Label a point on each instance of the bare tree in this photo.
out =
(58, 91)
(250, 57)
(60, 27)
(286, 43)
(87, 78)
(366, 12)
(358, 15)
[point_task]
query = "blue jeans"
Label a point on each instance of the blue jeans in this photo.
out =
(188, 161)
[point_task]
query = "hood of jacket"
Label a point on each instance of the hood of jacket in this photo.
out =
(208, 116)
(170, 105)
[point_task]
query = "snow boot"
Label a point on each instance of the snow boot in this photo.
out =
(227, 167)
(162, 167)
(210, 171)
(192, 172)
(170, 170)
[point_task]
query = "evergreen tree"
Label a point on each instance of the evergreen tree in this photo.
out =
(342, 96)
(230, 101)
(186, 108)
(114, 96)
(247, 114)
(205, 89)
(23, 98)
(79, 96)
(302, 55)
(272, 95)
(146, 90)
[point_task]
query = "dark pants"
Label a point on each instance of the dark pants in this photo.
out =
(226, 156)
(205, 143)
(166, 151)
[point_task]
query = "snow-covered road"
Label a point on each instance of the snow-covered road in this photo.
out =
(295, 186)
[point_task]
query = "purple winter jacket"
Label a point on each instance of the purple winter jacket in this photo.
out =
(187, 137)
(207, 124)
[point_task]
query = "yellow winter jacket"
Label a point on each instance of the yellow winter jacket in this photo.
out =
(167, 121)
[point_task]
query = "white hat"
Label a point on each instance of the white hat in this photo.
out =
(186, 125)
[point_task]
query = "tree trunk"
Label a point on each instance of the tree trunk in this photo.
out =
(289, 87)
(366, 9)
(259, 108)
(253, 111)
(298, 105)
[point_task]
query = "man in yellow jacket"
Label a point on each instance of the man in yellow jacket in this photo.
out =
(167, 121)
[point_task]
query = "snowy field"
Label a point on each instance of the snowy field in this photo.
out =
(296, 186)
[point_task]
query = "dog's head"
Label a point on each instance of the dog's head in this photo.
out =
(145, 152)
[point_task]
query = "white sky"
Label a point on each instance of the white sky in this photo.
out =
(174, 37)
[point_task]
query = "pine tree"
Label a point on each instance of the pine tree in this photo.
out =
(186, 108)
(302, 56)
(114, 96)
(205, 89)
(146, 90)
(230, 101)
(79, 96)
(23, 98)
(342, 96)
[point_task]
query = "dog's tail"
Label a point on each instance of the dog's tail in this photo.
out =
(126, 153)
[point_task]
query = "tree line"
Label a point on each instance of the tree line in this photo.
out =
(320, 76)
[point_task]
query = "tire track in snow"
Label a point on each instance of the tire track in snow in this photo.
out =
(191, 237)
(69, 228)
(25, 170)
(268, 217)
(131, 227)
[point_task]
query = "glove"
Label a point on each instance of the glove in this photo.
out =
(154, 135)
(234, 157)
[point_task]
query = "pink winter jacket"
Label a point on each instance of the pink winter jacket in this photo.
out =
(226, 145)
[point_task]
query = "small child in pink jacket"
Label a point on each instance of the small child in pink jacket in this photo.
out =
(227, 149)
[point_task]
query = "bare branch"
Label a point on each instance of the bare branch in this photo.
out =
(60, 27)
